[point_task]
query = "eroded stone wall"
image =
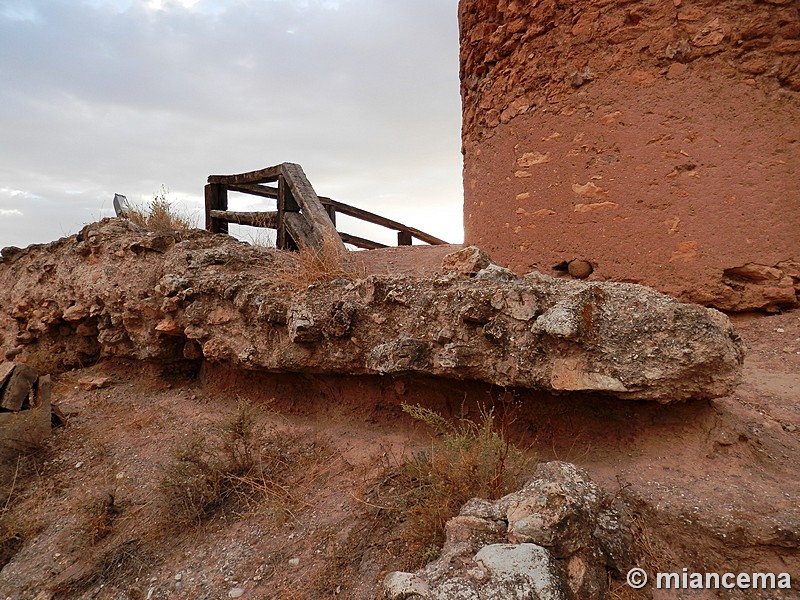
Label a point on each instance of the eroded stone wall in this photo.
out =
(656, 140)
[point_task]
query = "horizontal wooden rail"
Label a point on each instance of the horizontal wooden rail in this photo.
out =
(301, 213)
(255, 219)
(360, 242)
(370, 217)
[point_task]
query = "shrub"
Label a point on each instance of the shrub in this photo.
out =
(159, 215)
(230, 470)
(468, 459)
(312, 266)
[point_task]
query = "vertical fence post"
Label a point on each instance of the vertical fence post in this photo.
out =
(286, 203)
(216, 199)
(331, 210)
(403, 238)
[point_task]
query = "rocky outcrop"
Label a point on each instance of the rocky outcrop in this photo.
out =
(558, 538)
(117, 290)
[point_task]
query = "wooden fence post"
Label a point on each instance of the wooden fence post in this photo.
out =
(216, 199)
(286, 203)
(404, 238)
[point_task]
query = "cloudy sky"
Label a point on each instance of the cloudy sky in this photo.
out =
(105, 96)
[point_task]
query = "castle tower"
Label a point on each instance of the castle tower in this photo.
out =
(659, 141)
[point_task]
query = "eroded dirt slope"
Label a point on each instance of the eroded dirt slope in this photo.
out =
(714, 483)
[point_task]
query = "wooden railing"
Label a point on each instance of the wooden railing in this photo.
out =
(302, 218)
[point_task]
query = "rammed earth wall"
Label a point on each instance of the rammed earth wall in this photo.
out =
(656, 140)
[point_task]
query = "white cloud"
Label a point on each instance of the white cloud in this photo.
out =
(112, 96)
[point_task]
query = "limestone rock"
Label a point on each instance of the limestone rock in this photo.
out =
(226, 297)
(557, 509)
(557, 538)
(467, 261)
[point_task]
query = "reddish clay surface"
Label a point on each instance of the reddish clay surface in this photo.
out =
(713, 484)
(402, 260)
(657, 140)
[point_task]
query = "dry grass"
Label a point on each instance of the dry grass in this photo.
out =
(21, 512)
(316, 266)
(234, 468)
(161, 216)
(467, 459)
(100, 513)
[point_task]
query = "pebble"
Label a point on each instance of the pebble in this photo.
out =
(78, 465)
(236, 593)
(178, 577)
(294, 562)
(780, 330)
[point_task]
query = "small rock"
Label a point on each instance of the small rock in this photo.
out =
(178, 577)
(76, 312)
(579, 268)
(496, 273)
(95, 383)
(467, 261)
(398, 585)
(236, 593)
(294, 562)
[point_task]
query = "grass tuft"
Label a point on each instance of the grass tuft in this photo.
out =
(316, 266)
(233, 468)
(467, 459)
(159, 215)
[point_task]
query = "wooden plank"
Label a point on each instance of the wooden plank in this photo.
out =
(323, 231)
(300, 230)
(360, 242)
(255, 189)
(331, 213)
(286, 204)
(216, 199)
(267, 218)
(370, 217)
(261, 176)
(404, 238)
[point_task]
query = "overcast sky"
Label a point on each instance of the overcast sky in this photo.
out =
(123, 96)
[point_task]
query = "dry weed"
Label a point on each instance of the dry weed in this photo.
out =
(22, 506)
(159, 215)
(316, 266)
(101, 512)
(118, 560)
(234, 468)
(467, 459)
